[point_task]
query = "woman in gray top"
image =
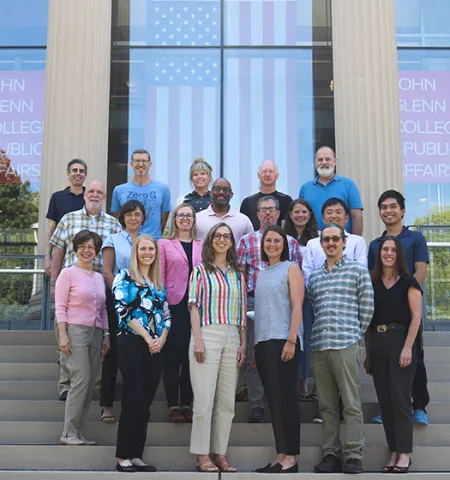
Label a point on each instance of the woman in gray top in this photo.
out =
(278, 314)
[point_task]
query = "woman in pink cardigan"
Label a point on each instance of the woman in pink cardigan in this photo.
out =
(83, 332)
(180, 253)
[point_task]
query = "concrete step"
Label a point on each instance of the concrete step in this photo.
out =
(242, 434)
(50, 371)
(46, 390)
(53, 411)
(90, 475)
(37, 337)
(36, 457)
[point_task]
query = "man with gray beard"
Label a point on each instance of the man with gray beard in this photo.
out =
(328, 184)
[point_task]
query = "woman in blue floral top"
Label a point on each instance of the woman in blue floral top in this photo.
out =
(144, 323)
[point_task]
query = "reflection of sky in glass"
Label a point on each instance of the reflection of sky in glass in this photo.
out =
(23, 23)
(174, 111)
(263, 118)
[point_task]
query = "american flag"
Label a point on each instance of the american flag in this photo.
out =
(260, 92)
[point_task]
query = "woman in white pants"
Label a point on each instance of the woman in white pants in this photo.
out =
(217, 300)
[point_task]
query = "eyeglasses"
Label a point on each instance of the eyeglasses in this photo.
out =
(334, 239)
(267, 209)
(133, 215)
(77, 170)
(86, 247)
(218, 189)
(187, 216)
(144, 162)
(219, 236)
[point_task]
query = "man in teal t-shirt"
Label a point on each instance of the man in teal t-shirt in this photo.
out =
(154, 195)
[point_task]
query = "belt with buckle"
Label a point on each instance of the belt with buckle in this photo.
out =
(389, 326)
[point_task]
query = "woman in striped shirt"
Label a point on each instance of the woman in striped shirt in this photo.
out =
(217, 300)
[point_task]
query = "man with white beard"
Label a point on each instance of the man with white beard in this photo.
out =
(327, 185)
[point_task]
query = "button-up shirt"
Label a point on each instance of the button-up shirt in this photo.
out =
(249, 256)
(80, 298)
(72, 223)
(314, 256)
(343, 304)
(220, 297)
(239, 223)
(121, 243)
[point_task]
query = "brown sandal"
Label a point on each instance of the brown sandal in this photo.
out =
(224, 465)
(206, 467)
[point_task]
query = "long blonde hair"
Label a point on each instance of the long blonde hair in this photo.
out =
(173, 229)
(155, 268)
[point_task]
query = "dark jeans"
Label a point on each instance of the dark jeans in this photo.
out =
(304, 369)
(110, 363)
(176, 376)
(394, 388)
(141, 372)
(420, 395)
(280, 386)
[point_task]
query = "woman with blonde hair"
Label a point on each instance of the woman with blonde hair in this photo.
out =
(144, 323)
(179, 253)
(200, 176)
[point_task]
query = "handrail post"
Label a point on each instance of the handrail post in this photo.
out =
(46, 304)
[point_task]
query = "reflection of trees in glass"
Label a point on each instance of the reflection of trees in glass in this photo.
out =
(436, 228)
(19, 208)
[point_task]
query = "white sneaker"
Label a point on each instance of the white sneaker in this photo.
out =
(74, 441)
(88, 442)
(251, 315)
(317, 420)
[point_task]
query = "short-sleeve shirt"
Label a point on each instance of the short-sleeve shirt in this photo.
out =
(414, 246)
(63, 202)
(198, 202)
(221, 297)
(122, 243)
(248, 206)
(72, 223)
(391, 304)
(155, 196)
(340, 187)
(239, 223)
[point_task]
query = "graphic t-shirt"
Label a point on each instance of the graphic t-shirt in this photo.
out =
(155, 196)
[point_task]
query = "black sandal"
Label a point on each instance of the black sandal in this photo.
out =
(398, 469)
(387, 469)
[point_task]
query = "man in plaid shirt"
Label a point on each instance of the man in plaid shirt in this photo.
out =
(249, 259)
(341, 295)
(90, 217)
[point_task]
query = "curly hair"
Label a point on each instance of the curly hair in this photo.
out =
(208, 253)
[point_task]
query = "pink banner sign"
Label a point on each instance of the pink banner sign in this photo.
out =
(21, 122)
(425, 126)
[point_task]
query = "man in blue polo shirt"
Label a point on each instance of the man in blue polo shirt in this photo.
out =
(154, 195)
(327, 185)
(391, 206)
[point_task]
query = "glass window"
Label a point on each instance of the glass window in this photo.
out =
(269, 113)
(423, 22)
(424, 77)
(24, 23)
(22, 82)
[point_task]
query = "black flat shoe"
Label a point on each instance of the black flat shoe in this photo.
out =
(126, 468)
(266, 469)
(145, 468)
(293, 469)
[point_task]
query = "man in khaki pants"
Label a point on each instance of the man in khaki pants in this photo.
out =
(341, 294)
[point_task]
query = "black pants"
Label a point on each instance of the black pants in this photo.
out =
(279, 380)
(141, 372)
(394, 388)
(176, 378)
(110, 363)
(420, 395)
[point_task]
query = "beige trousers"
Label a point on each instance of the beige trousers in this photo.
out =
(214, 386)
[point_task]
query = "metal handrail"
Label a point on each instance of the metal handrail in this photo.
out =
(32, 271)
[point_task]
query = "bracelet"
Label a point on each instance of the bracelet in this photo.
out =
(290, 341)
(106, 334)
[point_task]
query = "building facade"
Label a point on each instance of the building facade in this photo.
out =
(235, 82)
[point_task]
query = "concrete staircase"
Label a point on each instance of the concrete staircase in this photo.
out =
(31, 422)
